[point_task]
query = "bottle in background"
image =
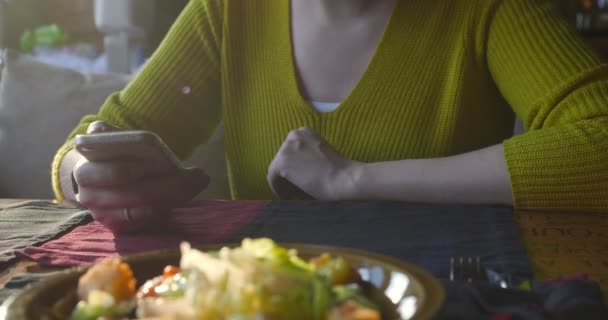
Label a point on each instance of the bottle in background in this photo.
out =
(600, 20)
(584, 16)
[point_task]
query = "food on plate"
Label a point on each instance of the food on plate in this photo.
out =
(105, 290)
(257, 280)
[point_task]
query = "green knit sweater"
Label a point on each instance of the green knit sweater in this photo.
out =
(445, 79)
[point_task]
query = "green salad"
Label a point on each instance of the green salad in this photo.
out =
(257, 280)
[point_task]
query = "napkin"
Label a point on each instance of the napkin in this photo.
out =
(33, 223)
(201, 222)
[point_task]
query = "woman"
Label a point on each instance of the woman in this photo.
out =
(362, 99)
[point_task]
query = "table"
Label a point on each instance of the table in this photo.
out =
(558, 243)
(22, 266)
(566, 243)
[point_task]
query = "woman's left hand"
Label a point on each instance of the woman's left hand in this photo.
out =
(307, 162)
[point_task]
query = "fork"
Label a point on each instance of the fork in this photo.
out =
(466, 269)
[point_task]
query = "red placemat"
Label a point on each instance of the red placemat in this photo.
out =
(200, 223)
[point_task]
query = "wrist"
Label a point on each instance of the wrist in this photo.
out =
(68, 185)
(352, 182)
(374, 181)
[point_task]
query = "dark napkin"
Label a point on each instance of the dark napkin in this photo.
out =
(568, 300)
(33, 223)
(426, 235)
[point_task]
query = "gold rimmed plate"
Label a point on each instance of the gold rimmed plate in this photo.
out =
(409, 291)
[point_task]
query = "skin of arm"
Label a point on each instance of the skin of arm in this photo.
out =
(307, 161)
(478, 177)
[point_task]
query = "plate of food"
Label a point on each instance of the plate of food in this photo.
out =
(256, 279)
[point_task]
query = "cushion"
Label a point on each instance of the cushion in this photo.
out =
(40, 104)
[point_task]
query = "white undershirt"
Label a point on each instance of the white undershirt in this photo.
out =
(325, 107)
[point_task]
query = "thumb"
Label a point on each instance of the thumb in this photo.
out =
(286, 190)
(100, 126)
(197, 180)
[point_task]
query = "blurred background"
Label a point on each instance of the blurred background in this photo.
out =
(92, 28)
(64, 58)
(56, 29)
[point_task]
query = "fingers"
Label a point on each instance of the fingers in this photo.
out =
(100, 126)
(296, 138)
(163, 191)
(126, 195)
(285, 190)
(304, 133)
(125, 220)
(277, 175)
(279, 185)
(108, 174)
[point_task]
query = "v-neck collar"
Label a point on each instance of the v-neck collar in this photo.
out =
(294, 91)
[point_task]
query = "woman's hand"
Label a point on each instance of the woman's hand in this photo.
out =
(307, 162)
(127, 195)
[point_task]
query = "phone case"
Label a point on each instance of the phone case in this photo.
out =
(128, 146)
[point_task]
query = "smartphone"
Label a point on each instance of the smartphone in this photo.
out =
(129, 145)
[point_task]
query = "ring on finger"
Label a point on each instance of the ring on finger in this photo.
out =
(127, 215)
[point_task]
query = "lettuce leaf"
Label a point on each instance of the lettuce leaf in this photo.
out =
(258, 279)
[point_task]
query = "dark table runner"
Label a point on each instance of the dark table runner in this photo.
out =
(425, 235)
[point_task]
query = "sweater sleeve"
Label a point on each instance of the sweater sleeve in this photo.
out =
(177, 94)
(560, 89)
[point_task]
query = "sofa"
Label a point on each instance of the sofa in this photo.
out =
(39, 106)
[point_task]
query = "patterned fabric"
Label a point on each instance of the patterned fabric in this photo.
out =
(425, 235)
(33, 223)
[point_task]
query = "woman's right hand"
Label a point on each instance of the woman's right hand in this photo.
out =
(126, 196)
